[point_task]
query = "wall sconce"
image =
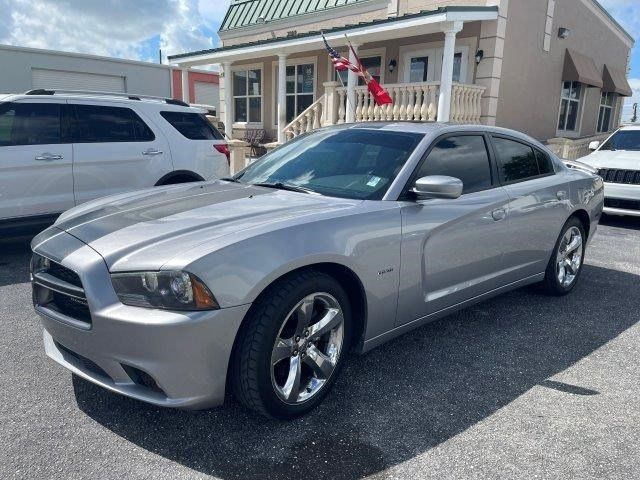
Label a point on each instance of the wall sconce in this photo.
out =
(563, 33)
(479, 56)
(392, 65)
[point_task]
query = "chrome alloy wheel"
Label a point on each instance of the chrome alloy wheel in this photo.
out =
(569, 257)
(307, 348)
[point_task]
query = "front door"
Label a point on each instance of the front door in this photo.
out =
(452, 249)
(418, 65)
(36, 175)
(115, 151)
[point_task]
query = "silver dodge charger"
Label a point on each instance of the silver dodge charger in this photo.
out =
(339, 240)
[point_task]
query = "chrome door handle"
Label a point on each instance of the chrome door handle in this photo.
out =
(45, 157)
(562, 195)
(152, 151)
(499, 214)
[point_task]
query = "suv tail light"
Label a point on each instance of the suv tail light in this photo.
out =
(224, 149)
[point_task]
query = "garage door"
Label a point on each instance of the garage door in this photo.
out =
(60, 79)
(207, 93)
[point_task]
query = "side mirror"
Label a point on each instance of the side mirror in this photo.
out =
(437, 186)
(594, 145)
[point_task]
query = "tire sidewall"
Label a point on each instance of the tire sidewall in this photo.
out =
(273, 404)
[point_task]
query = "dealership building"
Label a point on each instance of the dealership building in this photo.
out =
(28, 68)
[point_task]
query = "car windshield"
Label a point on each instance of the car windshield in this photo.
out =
(353, 163)
(623, 140)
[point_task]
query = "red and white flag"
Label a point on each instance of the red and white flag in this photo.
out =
(340, 63)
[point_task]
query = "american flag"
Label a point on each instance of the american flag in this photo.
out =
(340, 63)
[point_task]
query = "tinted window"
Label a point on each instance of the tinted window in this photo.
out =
(30, 124)
(194, 126)
(516, 160)
(545, 166)
(463, 157)
(99, 124)
(352, 163)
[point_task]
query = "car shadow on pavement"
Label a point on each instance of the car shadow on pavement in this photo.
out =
(401, 399)
(15, 254)
(628, 222)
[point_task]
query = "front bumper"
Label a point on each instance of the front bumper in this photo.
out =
(622, 199)
(170, 359)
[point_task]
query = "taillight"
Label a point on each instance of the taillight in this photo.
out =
(224, 149)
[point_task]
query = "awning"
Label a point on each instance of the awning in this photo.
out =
(616, 81)
(580, 68)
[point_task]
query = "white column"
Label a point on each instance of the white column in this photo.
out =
(228, 99)
(451, 29)
(352, 82)
(282, 96)
(185, 85)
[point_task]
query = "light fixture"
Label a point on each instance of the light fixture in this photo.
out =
(392, 65)
(563, 33)
(479, 56)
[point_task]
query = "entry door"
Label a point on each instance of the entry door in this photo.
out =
(115, 151)
(35, 165)
(452, 249)
(419, 65)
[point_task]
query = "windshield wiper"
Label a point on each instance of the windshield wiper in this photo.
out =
(285, 186)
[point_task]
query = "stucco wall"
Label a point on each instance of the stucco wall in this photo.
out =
(140, 78)
(531, 78)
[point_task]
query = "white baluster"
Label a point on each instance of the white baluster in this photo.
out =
(403, 104)
(365, 107)
(396, 104)
(316, 117)
(341, 108)
(418, 104)
(433, 103)
(372, 107)
(424, 108)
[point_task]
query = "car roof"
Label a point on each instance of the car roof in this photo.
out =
(630, 127)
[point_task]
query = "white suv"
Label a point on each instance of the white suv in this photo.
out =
(618, 163)
(62, 148)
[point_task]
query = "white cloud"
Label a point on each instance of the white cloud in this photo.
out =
(121, 28)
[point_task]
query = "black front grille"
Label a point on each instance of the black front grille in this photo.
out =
(83, 362)
(614, 175)
(59, 288)
(622, 203)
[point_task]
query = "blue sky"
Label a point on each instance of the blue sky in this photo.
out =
(137, 29)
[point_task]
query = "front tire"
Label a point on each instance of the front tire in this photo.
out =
(293, 345)
(565, 264)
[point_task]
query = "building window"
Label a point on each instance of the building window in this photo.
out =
(569, 106)
(300, 89)
(606, 111)
(373, 66)
(247, 96)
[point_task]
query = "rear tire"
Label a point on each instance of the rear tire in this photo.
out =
(293, 345)
(565, 264)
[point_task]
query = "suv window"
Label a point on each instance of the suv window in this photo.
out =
(464, 157)
(517, 161)
(30, 124)
(102, 124)
(193, 126)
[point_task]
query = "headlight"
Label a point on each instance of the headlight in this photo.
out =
(166, 290)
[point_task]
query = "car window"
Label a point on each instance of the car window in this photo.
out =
(464, 157)
(104, 124)
(193, 126)
(30, 124)
(623, 140)
(354, 163)
(545, 165)
(516, 161)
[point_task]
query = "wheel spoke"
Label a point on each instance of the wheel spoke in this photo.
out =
(575, 243)
(281, 350)
(304, 313)
(331, 319)
(319, 362)
(291, 387)
(562, 273)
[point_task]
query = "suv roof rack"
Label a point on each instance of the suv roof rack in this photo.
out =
(43, 91)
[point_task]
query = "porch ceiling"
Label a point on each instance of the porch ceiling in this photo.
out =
(379, 30)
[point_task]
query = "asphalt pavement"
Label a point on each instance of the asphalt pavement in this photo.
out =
(521, 386)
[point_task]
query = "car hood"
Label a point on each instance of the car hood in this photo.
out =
(144, 230)
(619, 159)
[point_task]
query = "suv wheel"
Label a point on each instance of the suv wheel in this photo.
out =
(293, 346)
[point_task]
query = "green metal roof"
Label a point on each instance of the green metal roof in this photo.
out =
(243, 13)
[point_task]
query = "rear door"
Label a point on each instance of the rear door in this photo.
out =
(35, 159)
(115, 150)
(538, 205)
(452, 249)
